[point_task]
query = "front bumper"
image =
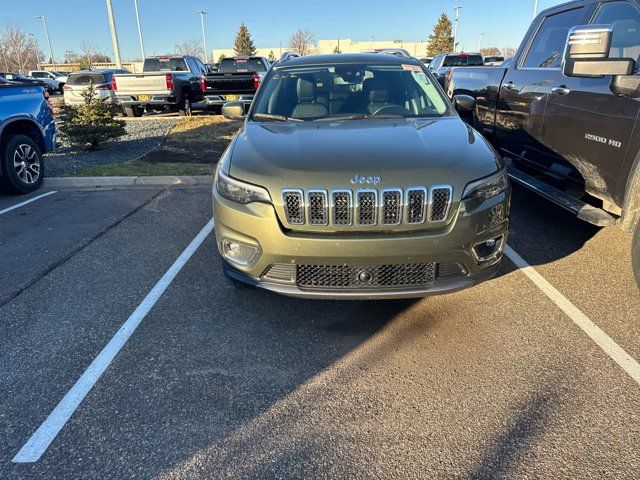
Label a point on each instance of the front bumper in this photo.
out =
(257, 225)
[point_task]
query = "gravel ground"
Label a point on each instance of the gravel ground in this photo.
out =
(142, 136)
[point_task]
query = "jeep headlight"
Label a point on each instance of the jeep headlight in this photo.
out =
(487, 187)
(238, 191)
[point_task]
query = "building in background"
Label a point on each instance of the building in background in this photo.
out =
(344, 45)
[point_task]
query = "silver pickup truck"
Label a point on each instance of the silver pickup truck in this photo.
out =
(166, 83)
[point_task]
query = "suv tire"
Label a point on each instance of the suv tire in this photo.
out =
(185, 109)
(635, 253)
(22, 164)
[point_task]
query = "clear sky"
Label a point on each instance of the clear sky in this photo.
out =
(167, 22)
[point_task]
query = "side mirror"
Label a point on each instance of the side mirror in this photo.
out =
(464, 104)
(586, 53)
(234, 110)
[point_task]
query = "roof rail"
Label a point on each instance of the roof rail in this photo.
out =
(288, 56)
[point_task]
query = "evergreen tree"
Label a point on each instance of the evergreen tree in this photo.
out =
(92, 123)
(272, 56)
(243, 44)
(441, 40)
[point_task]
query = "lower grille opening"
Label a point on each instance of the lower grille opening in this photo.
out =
(366, 277)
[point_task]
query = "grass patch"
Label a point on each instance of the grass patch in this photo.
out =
(143, 169)
(192, 147)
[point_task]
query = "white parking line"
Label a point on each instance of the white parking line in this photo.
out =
(47, 432)
(604, 341)
(26, 202)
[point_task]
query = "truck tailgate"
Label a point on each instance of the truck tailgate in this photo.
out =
(141, 83)
(221, 83)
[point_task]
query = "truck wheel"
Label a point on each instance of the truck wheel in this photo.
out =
(635, 253)
(132, 111)
(22, 164)
(185, 110)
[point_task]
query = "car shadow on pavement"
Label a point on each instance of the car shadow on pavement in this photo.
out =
(542, 232)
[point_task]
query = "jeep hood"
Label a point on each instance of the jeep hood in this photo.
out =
(327, 155)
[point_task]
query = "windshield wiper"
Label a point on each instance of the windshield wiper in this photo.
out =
(273, 116)
(358, 117)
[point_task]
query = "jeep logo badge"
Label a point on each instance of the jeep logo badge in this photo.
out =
(359, 179)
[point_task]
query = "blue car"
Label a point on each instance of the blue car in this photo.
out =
(27, 131)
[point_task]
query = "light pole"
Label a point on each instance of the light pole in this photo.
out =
(535, 8)
(46, 31)
(202, 13)
(35, 50)
(114, 35)
(480, 41)
(370, 41)
(135, 4)
(455, 28)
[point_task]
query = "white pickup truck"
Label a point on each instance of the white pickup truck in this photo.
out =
(166, 83)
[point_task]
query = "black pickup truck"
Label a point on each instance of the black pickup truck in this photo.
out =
(237, 79)
(566, 112)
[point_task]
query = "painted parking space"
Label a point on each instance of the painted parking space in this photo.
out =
(220, 382)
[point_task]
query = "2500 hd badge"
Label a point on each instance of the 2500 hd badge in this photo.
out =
(426, 214)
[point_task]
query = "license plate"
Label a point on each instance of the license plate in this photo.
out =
(231, 98)
(144, 98)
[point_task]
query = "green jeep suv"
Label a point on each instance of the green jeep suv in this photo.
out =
(353, 177)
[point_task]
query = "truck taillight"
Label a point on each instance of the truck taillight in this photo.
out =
(169, 80)
(203, 83)
(66, 88)
(105, 87)
(256, 81)
(114, 84)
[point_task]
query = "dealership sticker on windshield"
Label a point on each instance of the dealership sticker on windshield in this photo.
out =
(411, 68)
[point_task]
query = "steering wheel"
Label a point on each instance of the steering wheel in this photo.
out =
(392, 110)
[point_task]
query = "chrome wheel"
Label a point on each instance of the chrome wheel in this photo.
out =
(27, 163)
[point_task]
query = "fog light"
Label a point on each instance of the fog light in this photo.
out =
(239, 253)
(488, 252)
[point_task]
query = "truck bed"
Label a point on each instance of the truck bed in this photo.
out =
(141, 83)
(483, 84)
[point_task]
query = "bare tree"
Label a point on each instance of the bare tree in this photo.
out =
(191, 47)
(302, 41)
(489, 51)
(18, 50)
(508, 52)
(88, 54)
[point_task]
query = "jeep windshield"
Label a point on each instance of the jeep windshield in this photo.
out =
(349, 92)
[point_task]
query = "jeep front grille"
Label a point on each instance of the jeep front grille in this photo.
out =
(365, 277)
(318, 208)
(416, 204)
(367, 207)
(439, 203)
(293, 202)
(342, 207)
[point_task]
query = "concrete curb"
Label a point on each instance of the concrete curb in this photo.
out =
(94, 182)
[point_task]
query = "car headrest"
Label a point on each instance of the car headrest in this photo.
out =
(378, 96)
(306, 90)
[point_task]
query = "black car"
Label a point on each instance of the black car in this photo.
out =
(19, 78)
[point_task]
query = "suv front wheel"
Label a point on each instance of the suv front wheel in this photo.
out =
(22, 164)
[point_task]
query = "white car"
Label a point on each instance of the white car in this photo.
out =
(52, 79)
(78, 82)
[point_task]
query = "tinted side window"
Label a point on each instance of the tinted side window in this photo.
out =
(548, 47)
(625, 19)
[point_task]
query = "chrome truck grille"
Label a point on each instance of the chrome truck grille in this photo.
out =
(367, 207)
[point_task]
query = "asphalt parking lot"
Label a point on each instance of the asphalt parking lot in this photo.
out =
(508, 379)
